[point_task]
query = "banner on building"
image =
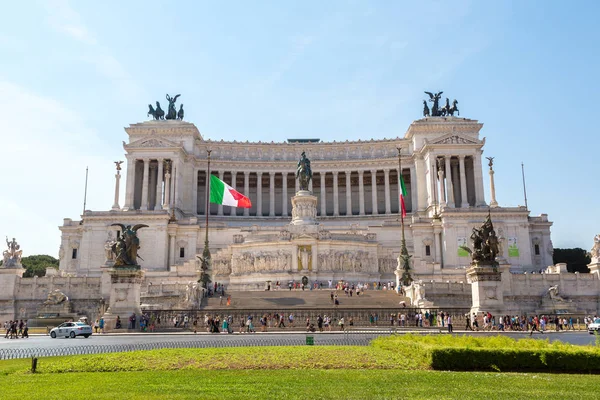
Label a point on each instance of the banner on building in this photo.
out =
(513, 249)
(462, 241)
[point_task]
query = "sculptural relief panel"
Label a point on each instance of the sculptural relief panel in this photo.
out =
(347, 261)
(262, 261)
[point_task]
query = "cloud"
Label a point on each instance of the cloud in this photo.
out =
(46, 148)
(65, 19)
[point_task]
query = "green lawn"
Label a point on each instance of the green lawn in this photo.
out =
(298, 384)
(393, 367)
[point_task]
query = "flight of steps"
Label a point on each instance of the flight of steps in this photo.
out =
(306, 299)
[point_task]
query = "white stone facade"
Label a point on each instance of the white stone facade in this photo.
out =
(357, 191)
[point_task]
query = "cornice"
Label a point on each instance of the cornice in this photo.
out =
(443, 125)
(167, 127)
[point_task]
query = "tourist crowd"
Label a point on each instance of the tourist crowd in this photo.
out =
(15, 329)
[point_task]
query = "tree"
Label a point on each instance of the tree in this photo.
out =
(576, 259)
(36, 265)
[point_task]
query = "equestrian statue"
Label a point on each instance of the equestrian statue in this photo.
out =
(303, 172)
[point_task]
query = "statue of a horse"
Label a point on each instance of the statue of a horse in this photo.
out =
(303, 172)
(180, 113)
(160, 114)
(446, 109)
(454, 108)
(425, 109)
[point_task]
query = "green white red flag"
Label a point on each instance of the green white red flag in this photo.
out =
(222, 193)
(403, 194)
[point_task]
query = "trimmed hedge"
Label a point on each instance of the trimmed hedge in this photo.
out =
(496, 353)
(467, 359)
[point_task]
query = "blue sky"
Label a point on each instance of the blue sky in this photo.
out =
(73, 74)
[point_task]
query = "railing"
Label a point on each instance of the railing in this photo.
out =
(349, 338)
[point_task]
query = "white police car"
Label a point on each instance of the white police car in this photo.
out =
(72, 330)
(594, 326)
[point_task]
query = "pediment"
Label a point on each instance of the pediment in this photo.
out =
(152, 142)
(454, 138)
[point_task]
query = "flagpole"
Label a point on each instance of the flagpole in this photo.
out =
(205, 261)
(404, 256)
(524, 189)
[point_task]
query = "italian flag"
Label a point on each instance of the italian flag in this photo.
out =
(402, 196)
(222, 193)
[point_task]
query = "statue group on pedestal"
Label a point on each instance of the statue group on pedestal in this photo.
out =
(595, 252)
(127, 245)
(172, 113)
(12, 256)
(485, 245)
(436, 110)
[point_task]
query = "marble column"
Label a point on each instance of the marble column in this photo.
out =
(442, 185)
(271, 194)
(388, 205)
(220, 207)
(421, 183)
(284, 199)
(175, 184)
(233, 211)
(374, 210)
(167, 202)
(195, 191)
(259, 194)
(433, 198)
(144, 205)
(348, 193)
(361, 192)
(414, 200)
(310, 186)
(493, 202)
(323, 194)
(449, 186)
(152, 186)
(463, 182)
(130, 184)
(478, 179)
(336, 205)
(159, 181)
(246, 190)
(116, 206)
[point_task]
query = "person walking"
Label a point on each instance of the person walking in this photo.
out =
(101, 324)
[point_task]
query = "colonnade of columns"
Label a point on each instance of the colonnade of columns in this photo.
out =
(151, 184)
(456, 181)
(340, 193)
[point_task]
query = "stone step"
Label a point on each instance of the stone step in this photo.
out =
(305, 299)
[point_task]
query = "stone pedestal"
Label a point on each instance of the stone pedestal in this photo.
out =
(8, 280)
(486, 289)
(125, 290)
(594, 267)
(304, 208)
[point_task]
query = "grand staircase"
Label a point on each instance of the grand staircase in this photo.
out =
(305, 299)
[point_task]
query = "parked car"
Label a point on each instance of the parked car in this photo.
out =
(594, 326)
(72, 330)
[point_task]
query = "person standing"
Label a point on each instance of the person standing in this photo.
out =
(449, 323)
(101, 324)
